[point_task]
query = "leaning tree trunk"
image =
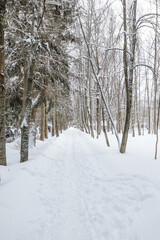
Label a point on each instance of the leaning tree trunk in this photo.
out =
(2, 87)
(25, 127)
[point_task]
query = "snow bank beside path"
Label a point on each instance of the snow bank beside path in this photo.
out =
(75, 188)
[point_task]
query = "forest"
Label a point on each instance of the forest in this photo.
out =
(94, 65)
(80, 79)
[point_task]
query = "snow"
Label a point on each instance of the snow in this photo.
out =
(34, 101)
(75, 188)
(24, 123)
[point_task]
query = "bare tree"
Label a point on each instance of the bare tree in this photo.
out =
(128, 65)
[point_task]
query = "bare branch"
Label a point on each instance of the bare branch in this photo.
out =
(150, 15)
(117, 49)
(144, 65)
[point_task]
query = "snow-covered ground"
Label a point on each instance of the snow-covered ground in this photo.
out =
(75, 188)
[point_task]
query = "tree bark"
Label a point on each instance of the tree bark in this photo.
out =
(155, 72)
(104, 128)
(148, 104)
(157, 129)
(42, 122)
(33, 132)
(2, 87)
(25, 127)
(98, 112)
(53, 128)
(128, 77)
(46, 120)
(56, 124)
(90, 101)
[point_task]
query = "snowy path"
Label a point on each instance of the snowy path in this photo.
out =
(66, 193)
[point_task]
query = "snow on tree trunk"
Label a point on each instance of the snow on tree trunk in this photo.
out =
(33, 131)
(25, 127)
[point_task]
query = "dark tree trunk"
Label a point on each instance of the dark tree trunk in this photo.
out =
(104, 128)
(53, 128)
(42, 122)
(157, 129)
(56, 124)
(130, 65)
(46, 120)
(2, 87)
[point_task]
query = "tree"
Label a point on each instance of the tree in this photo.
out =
(128, 60)
(96, 75)
(2, 85)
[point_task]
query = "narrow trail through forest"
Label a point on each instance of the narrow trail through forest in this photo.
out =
(73, 196)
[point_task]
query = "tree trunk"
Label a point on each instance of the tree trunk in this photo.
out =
(99, 85)
(2, 87)
(133, 123)
(42, 122)
(104, 128)
(119, 113)
(90, 101)
(139, 109)
(155, 72)
(56, 124)
(128, 80)
(137, 103)
(32, 137)
(53, 128)
(128, 108)
(98, 111)
(25, 127)
(148, 104)
(157, 129)
(144, 111)
(46, 120)
(61, 124)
